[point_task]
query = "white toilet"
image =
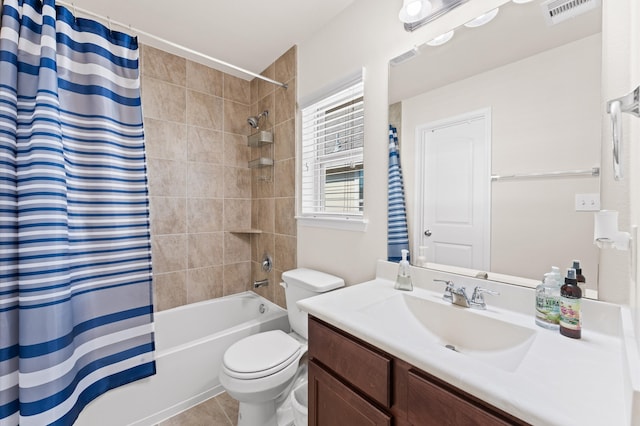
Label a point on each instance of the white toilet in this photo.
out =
(258, 370)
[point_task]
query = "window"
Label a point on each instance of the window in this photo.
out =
(332, 154)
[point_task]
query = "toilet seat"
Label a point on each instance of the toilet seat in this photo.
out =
(261, 355)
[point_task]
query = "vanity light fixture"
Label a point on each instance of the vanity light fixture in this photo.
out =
(414, 10)
(482, 19)
(441, 39)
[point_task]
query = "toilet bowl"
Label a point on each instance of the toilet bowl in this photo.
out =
(259, 370)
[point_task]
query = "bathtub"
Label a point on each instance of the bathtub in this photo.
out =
(190, 342)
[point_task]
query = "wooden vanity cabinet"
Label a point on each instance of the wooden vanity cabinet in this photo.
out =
(353, 383)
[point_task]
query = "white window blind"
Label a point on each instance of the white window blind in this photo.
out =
(332, 154)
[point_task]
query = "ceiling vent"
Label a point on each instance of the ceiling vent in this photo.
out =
(409, 54)
(556, 11)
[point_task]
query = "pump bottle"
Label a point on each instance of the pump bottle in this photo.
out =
(570, 295)
(403, 280)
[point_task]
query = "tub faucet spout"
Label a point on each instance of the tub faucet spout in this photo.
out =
(261, 283)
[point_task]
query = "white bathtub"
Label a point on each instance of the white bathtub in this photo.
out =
(190, 342)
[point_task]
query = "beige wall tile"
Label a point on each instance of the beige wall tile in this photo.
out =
(235, 118)
(285, 211)
(237, 248)
(254, 91)
(165, 140)
(284, 172)
(204, 283)
(236, 150)
(262, 214)
(169, 253)
(264, 87)
(285, 140)
(205, 249)
(237, 89)
(205, 181)
(257, 273)
(163, 66)
(204, 214)
(167, 178)
(280, 296)
(285, 66)
(204, 79)
(237, 182)
(261, 188)
(204, 145)
(284, 258)
(163, 101)
(170, 290)
(204, 110)
(285, 100)
(237, 277)
(263, 243)
(237, 214)
(168, 215)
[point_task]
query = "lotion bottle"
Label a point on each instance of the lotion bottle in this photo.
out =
(582, 281)
(403, 280)
(570, 295)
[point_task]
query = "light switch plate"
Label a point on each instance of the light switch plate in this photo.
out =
(588, 202)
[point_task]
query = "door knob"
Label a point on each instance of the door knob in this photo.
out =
(427, 233)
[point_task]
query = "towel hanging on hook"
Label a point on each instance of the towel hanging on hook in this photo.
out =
(628, 103)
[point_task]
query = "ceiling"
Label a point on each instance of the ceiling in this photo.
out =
(517, 32)
(250, 34)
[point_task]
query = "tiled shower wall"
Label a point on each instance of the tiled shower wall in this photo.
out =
(200, 185)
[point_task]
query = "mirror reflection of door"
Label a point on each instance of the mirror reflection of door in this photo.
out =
(455, 170)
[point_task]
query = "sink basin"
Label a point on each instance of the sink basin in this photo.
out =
(463, 330)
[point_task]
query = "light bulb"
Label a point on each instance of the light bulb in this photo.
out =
(441, 39)
(414, 10)
(482, 19)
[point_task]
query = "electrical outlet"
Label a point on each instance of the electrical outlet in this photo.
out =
(588, 202)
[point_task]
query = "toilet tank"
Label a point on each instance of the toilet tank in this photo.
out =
(302, 283)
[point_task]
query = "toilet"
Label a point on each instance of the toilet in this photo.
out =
(259, 371)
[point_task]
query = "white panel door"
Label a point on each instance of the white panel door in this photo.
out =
(456, 192)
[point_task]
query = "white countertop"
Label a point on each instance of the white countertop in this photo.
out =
(560, 381)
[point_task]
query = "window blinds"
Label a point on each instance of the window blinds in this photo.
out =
(332, 153)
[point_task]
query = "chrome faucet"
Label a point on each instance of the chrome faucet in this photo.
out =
(458, 295)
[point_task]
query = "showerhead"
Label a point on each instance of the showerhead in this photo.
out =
(254, 120)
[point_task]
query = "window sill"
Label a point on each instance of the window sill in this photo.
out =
(357, 224)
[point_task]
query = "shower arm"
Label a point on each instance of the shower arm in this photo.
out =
(628, 103)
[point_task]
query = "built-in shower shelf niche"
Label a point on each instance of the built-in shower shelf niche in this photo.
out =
(246, 231)
(260, 162)
(260, 138)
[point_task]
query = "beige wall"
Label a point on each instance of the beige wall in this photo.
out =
(545, 116)
(200, 185)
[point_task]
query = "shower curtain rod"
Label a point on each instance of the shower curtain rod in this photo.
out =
(169, 43)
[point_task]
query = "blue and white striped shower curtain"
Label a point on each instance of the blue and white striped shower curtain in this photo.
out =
(397, 231)
(75, 257)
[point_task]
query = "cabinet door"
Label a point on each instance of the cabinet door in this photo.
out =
(432, 403)
(331, 403)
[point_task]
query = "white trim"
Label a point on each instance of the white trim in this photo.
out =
(345, 223)
(332, 88)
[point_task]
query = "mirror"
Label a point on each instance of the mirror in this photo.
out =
(541, 87)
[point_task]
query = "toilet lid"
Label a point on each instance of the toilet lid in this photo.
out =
(261, 354)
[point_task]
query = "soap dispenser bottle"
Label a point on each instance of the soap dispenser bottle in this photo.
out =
(403, 280)
(570, 295)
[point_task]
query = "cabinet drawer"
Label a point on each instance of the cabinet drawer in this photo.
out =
(365, 368)
(431, 402)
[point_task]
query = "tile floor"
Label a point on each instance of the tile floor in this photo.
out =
(221, 410)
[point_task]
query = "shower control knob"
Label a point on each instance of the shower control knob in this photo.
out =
(427, 233)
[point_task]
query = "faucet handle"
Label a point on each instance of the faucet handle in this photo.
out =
(478, 299)
(447, 290)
